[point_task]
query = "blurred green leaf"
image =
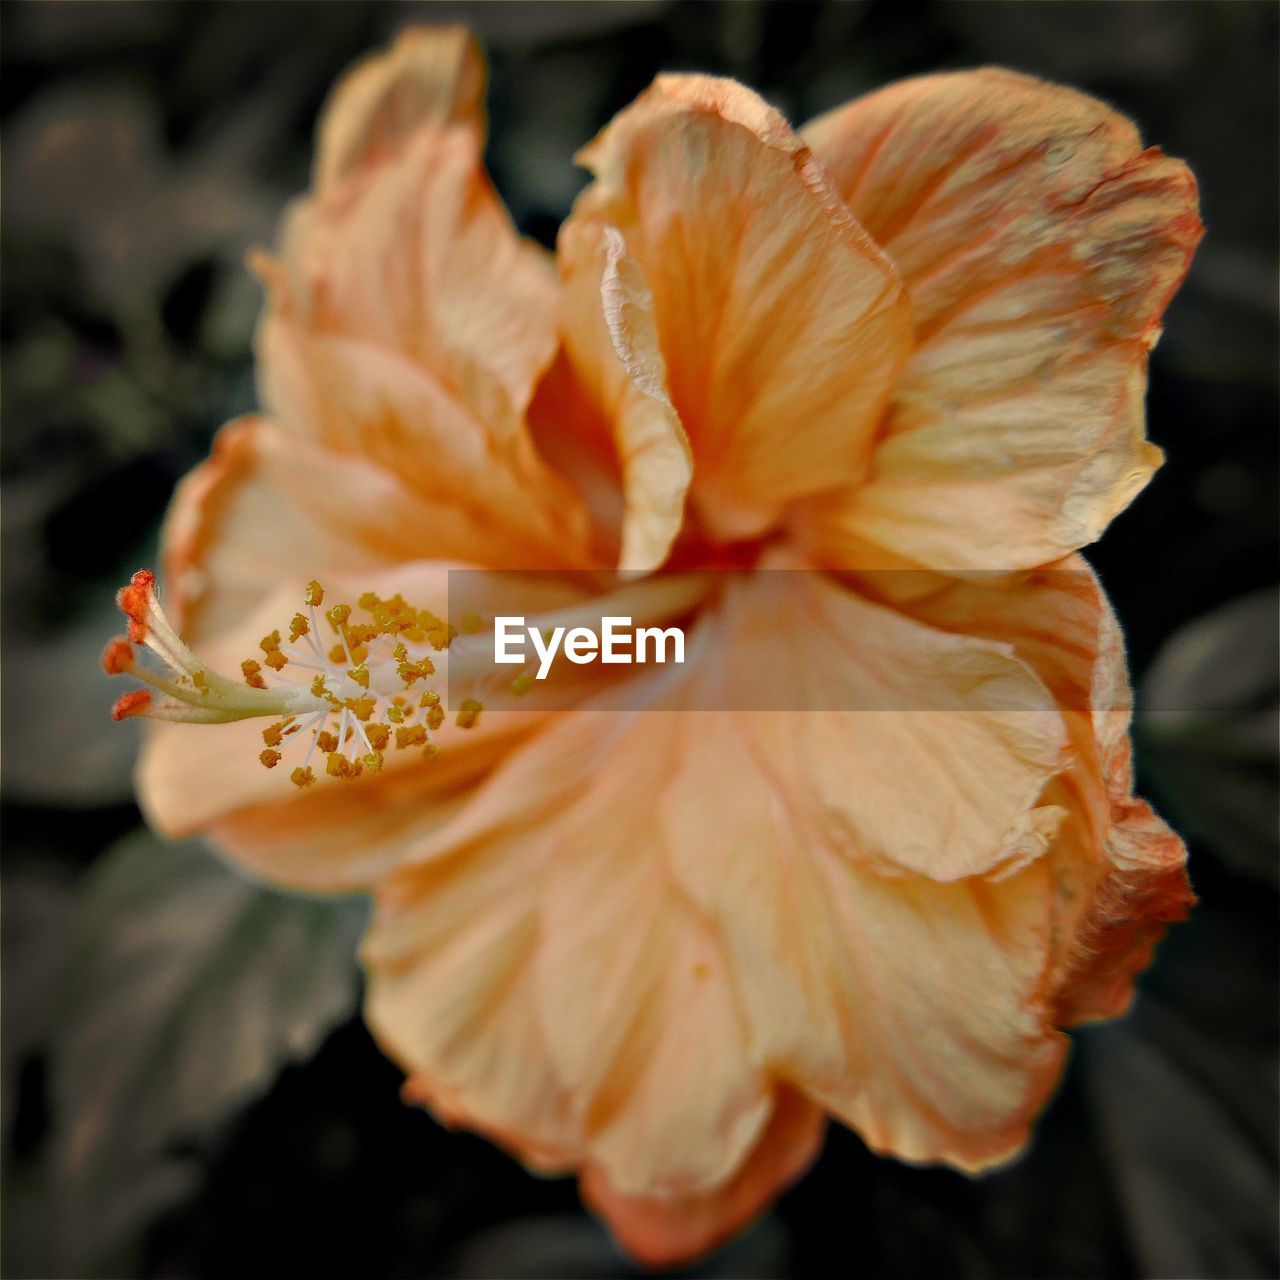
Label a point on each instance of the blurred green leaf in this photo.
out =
(185, 989)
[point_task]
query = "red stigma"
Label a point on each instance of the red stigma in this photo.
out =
(117, 657)
(133, 602)
(134, 703)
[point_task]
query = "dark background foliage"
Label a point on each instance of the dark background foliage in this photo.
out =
(185, 1089)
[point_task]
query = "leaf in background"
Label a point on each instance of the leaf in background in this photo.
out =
(1197, 1186)
(1208, 732)
(74, 756)
(184, 991)
(38, 900)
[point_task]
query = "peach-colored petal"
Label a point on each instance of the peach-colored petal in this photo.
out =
(910, 1008)
(653, 1047)
(430, 76)
(558, 877)
(913, 749)
(364, 401)
(451, 962)
(1039, 244)
(408, 322)
(1119, 872)
(421, 258)
(836, 956)
(614, 346)
(267, 508)
(780, 322)
(665, 1231)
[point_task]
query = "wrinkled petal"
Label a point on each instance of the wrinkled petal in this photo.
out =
(889, 943)
(614, 346)
(363, 401)
(407, 320)
(664, 1231)
(912, 1009)
(451, 962)
(1040, 245)
(780, 323)
(910, 748)
(559, 877)
(653, 1046)
(1119, 872)
(267, 509)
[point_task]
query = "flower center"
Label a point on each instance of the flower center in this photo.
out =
(351, 687)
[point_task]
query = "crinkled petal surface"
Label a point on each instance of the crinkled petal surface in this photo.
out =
(1039, 244)
(780, 322)
(1119, 873)
(612, 340)
(408, 323)
(649, 1058)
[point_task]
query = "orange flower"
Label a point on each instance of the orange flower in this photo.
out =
(905, 351)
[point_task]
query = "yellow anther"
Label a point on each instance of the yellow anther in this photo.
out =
(276, 660)
(395, 714)
(471, 623)
(269, 644)
(360, 675)
(270, 758)
(468, 713)
(429, 699)
(338, 656)
(302, 777)
(314, 594)
(298, 627)
(522, 683)
(361, 708)
(378, 735)
(200, 682)
(326, 741)
(338, 615)
(372, 761)
(430, 751)
(410, 736)
(439, 637)
(435, 716)
(338, 766)
(253, 674)
(369, 602)
(273, 734)
(411, 671)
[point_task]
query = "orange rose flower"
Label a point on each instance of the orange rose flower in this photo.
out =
(905, 351)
